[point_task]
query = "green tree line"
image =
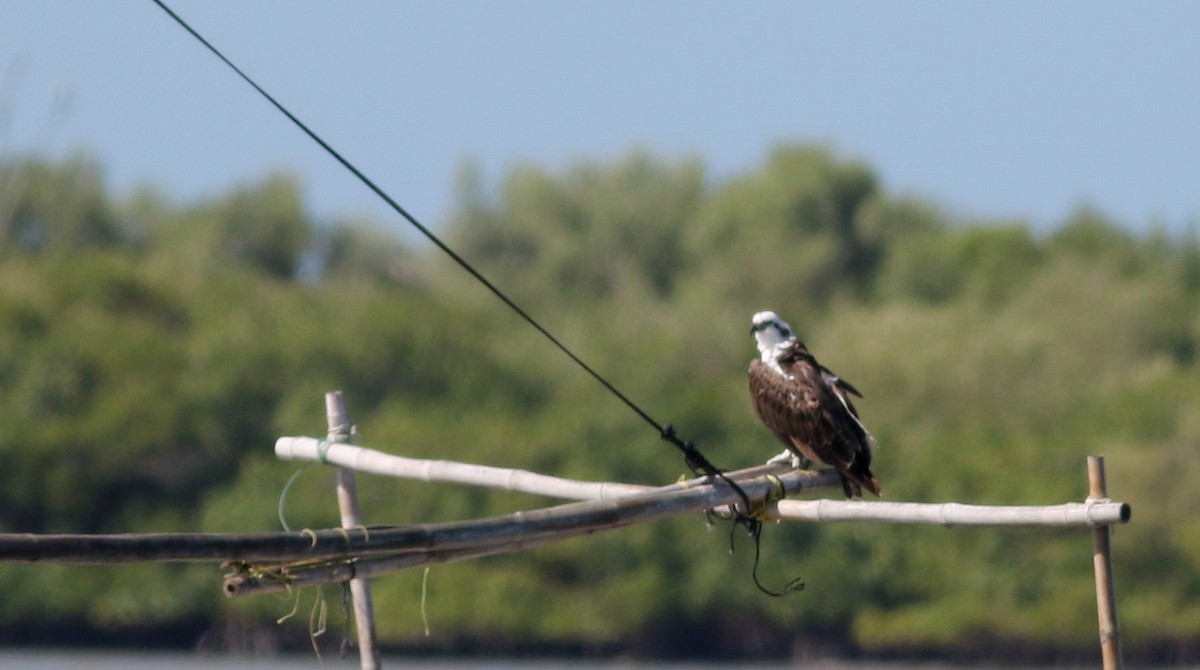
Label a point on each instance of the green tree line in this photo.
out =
(152, 351)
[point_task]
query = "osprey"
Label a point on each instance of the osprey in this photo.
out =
(807, 406)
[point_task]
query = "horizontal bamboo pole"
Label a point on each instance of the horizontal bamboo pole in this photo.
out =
(176, 547)
(567, 519)
(375, 462)
(1088, 514)
(254, 580)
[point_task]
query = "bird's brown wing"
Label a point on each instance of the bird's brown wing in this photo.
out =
(812, 413)
(774, 400)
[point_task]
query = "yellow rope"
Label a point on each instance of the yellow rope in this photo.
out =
(295, 608)
(311, 533)
(774, 495)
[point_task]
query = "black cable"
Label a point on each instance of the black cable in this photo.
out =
(794, 586)
(417, 224)
(692, 456)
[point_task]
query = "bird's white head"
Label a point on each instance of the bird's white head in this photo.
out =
(770, 332)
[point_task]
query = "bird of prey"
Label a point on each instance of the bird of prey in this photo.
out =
(808, 407)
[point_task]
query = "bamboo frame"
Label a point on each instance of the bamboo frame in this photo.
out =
(266, 562)
(515, 532)
(259, 579)
(1090, 514)
(341, 543)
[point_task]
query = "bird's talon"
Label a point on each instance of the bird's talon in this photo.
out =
(783, 457)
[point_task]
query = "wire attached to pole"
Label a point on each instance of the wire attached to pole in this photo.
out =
(692, 456)
(695, 460)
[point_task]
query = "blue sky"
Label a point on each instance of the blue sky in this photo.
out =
(992, 109)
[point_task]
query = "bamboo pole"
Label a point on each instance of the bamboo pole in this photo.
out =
(693, 495)
(175, 547)
(1091, 514)
(347, 496)
(1106, 597)
(361, 459)
(247, 581)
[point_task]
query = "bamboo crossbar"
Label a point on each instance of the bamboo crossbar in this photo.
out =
(562, 520)
(175, 547)
(253, 580)
(361, 459)
(1089, 514)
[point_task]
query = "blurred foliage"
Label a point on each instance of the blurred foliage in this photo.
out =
(150, 354)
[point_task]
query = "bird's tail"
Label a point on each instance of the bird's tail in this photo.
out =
(858, 478)
(871, 484)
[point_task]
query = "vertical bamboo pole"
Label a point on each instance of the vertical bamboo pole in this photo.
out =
(347, 494)
(1106, 598)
